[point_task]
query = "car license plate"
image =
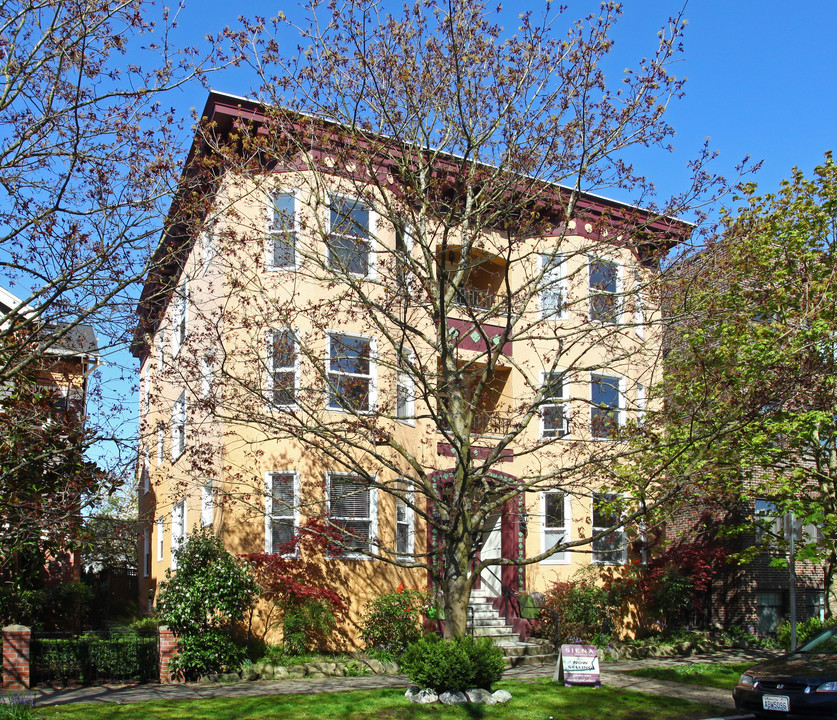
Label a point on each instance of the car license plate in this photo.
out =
(776, 702)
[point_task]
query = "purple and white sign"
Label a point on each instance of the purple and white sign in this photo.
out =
(578, 665)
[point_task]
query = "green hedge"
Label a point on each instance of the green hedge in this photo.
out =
(94, 657)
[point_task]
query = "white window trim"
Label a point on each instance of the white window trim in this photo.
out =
(178, 426)
(161, 537)
(180, 317)
(639, 307)
(560, 558)
(404, 379)
(621, 529)
(620, 411)
(146, 552)
(207, 504)
(371, 261)
(563, 402)
(269, 336)
(145, 388)
(270, 234)
(409, 521)
(618, 294)
(373, 371)
(160, 346)
(161, 443)
(177, 540)
(560, 285)
(373, 515)
(145, 471)
(208, 247)
(268, 510)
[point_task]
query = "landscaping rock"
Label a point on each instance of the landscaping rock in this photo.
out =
(250, 674)
(391, 668)
(501, 696)
(425, 697)
(266, 672)
(210, 678)
(280, 672)
(296, 671)
(452, 698)
(229, 677)
(376, 666)
(412, 691)
(478, 695)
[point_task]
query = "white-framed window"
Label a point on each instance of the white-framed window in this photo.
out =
(554, 411)
(281, 512)
(350, 372)
(161, 536)
(160, 347)
(207, 504)
(605, 406)
(350, 236)
(283, 230)
(282, 368)
(405, 389)
(604, 290)
(403, 252)
(405, 522)
(639, 309)
(178, 530)
(553, 294)
(353, 507)
(146, 552)
(612, 548)
(768, 519)
(180, 316)
(555, 514)
(145, 472)
(641, 402)
(161, 442)
(178, 426)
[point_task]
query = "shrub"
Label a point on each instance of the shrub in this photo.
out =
(199, 603)
(584, 610)
(804, 630)
(391, 622)
(453, 665)
(16, 707)
(306, 625)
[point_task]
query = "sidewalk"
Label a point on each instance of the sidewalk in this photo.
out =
(613, 675)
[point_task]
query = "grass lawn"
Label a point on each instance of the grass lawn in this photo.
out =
(531, 700)
(712, 675)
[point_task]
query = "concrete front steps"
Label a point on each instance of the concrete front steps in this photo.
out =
(487, 622)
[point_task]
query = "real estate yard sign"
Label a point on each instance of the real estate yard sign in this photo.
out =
(578, 665)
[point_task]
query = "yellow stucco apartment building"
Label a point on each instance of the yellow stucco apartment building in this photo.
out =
(339, 327)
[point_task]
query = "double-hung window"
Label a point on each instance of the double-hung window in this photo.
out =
(281, 512)
(146, 552)
(611, 548)
(282, 368)
(404, 522)
(161, 537)
(555, 510)
(353, 507)
(180, 302)
(553, 294)
(178, 530)
(178, 426)
(283, 230)
(554, 410)
(605, 406)
(207, 504)
(604, 290)
(350, 372)
(349, 239)
(405, 388)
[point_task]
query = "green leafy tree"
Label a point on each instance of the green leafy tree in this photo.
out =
(752, 366)
(209, 592)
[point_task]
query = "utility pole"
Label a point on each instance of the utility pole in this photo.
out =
(791, 535)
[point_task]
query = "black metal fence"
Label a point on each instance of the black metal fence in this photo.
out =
(92, 658)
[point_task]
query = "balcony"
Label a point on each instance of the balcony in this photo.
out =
(477, 299)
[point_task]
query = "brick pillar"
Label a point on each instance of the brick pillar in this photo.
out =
(16, 657)
(167, 650)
